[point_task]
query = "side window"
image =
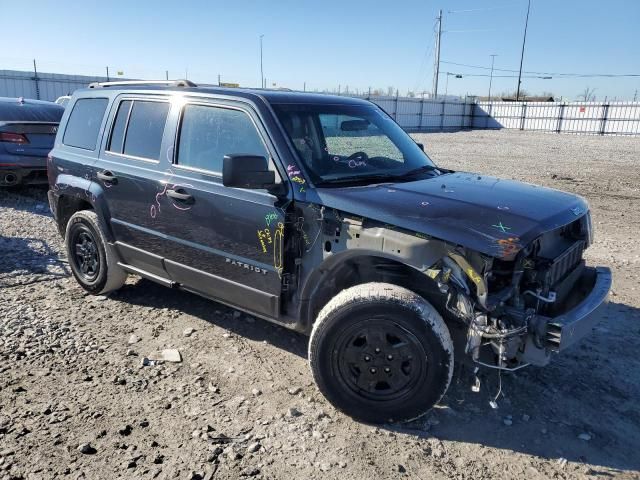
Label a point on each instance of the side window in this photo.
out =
(209, 133)
(84, 123)
(138, 128)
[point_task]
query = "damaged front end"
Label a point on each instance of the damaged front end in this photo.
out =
(526, 302)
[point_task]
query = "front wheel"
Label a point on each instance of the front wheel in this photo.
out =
(381, 353)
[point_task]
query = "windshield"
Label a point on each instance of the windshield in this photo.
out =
(343, 143)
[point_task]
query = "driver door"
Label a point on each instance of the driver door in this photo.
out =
(222, 242)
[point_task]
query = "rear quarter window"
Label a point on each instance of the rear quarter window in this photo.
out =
(84, 123)
(116, 142)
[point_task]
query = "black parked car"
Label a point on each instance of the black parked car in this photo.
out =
(321, 214)
(27, 131)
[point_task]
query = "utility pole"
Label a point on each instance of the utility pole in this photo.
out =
(35, 78)
(524, 40)
(107, 73)
(166, 74)
(261, 71)
(218, 79)
(437, 59)
(493, 57)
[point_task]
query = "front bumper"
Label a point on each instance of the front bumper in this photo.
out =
(569, 327)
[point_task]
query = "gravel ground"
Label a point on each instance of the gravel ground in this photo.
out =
(76, 401)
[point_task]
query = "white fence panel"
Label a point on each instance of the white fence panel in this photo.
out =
(541, 116)
(623, 119)
(582, 118)
(617, 118)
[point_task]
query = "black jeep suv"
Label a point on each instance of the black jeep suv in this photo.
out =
(321, 214)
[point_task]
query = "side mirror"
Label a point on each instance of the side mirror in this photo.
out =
(421, 145)
(247, 171)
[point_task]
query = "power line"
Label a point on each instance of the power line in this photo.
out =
(480, 9)
(494, 76)
(423, 63)
(473, 30)
(547, 73)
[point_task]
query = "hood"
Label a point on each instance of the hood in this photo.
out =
(492, 216)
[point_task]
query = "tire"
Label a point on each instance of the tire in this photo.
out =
(91, 259)
(381, 353)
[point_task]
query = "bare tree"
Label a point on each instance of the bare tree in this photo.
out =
(588, 95)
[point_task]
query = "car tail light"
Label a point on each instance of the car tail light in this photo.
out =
(13, 137)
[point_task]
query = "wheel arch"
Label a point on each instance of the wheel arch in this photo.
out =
(353, 267)
(85, 196)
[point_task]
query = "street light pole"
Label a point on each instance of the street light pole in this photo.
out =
(493, 58)
(524, 39)
(261, 72)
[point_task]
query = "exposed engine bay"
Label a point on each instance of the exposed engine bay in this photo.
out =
(508, 305)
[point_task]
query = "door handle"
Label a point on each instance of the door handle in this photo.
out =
(107, 176)
(180, 195)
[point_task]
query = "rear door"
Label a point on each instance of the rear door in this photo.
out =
(131, 170)
(223, 242)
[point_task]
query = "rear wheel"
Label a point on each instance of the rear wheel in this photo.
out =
(381, 353)
(92, 262)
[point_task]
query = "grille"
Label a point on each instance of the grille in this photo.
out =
(564, 263)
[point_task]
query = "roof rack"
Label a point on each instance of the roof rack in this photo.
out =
(124, 83)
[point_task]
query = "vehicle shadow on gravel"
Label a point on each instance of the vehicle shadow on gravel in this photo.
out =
(542, 411)
(150, 294)
(29, 260)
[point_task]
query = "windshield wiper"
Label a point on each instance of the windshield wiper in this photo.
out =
(388, 177)
(357, 179)
(415, 171)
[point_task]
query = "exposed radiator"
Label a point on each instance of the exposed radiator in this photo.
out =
(565, 262)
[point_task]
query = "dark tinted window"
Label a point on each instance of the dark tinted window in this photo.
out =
(84, 123)
(146, 126)
(116, 142)
(207, 134)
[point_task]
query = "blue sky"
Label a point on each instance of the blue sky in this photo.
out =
(358, 44)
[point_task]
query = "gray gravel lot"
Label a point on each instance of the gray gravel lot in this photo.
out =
(76, 402)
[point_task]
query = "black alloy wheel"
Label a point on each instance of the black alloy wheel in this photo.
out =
(86, 257)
